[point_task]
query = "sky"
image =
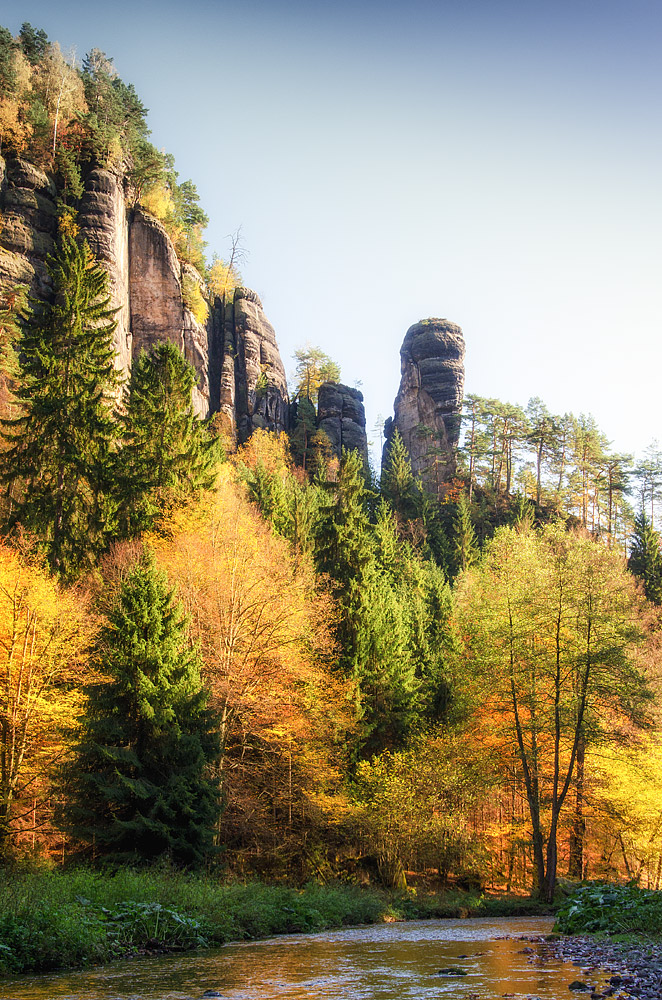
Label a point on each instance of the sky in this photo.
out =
(493, 162)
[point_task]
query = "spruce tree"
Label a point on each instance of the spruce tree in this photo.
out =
(139, 784)
(373, 627)
(646, 558)
(397, 482)
(58, 448)
(465, 546)
(168, 452)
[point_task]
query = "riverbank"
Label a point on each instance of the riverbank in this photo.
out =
(57, 920)
(618, 929)
(632, 967)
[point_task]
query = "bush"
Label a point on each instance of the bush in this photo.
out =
(613, 909)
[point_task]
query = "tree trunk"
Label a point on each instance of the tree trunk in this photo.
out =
(576, 863)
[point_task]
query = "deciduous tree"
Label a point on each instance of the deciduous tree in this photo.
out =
(44, 634)
(557, 627)
(313, 367)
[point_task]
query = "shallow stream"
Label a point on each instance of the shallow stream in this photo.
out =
(399, 961)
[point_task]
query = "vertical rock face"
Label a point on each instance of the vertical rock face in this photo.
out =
(27, 207)
(155, 295)
(251, 377)
(103, 220)
(429, 402)
(341, 415)
(235, 354)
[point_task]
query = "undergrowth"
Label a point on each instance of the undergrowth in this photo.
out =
(599, 907)
(51, 919)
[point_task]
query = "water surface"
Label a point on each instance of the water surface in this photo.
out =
(399, 961)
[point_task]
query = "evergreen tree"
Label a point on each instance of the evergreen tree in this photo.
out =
(7, 70)
(646, 558)
(465, 546)
(305, 426)
(58, 447)
(397, 482)
(33, 42)
(167, 452)
(374, 627)
(138, 785)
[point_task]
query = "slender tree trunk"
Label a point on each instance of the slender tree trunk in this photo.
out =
(576, 863)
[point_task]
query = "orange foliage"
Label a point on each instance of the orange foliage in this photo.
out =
(265, 639)
(14, 132)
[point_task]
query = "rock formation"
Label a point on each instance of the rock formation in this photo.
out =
(157, 308)
(234, 354)
(28, 224)
(103, 221)
(252, 382)
(429, 402)
(341, 415)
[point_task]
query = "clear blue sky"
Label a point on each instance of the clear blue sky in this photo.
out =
(495, 163)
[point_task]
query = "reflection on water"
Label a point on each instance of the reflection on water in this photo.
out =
(389, 961)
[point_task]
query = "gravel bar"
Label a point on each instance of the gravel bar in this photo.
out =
(614, 969)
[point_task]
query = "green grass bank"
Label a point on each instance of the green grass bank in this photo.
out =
(55, 920)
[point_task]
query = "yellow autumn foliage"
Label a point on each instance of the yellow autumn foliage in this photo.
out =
(44, 637)
(194, 299)
(223, 278)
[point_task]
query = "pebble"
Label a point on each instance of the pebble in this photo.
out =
(634, 970)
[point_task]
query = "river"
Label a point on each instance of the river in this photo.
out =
(398, 961)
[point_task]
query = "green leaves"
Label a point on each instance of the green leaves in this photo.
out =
(133, 926)
(614, 909)
(138, 782)
(168, 453)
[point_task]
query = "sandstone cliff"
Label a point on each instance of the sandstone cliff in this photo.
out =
(28, 224)
(341, 415)
(252, 382)
(234, 354)
(157, 309)
(429, 402)
(103, 221)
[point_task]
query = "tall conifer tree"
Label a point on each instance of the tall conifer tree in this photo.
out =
(646, 558)
(139, 785)
(465, 546)
(58, 447)
(168, 451)
(397, 482)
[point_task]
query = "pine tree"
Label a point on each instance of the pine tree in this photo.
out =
(138, 785)
(58, 447)
(168, 452)
(646, 558)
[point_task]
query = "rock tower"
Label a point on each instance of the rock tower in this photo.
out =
(428, 406)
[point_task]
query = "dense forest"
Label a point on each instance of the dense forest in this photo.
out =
(269, 660)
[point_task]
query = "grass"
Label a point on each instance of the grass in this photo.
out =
(52, 920)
